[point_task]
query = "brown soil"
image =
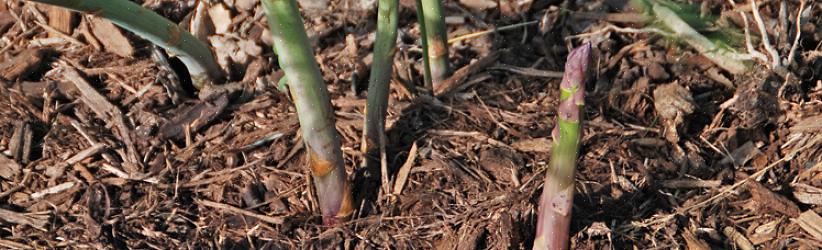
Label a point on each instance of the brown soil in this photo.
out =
(676, 153)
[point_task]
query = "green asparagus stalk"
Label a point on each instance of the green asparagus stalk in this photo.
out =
(378, 83)
(194, 53)
(558, 191)
(426, 65)
(435, 38)
(311, 98)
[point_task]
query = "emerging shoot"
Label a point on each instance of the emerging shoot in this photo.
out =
(311, 98)
(557, 198)
(435, 38)
(378, 82)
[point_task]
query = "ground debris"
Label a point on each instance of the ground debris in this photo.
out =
(110, 37)
(26, 62)
(673, 103)
(811, 222)
(227, 170)
(769, 200)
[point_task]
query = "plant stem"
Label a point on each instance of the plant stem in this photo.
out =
(426, 61)
(378, 82)
(195, 54)
(311, 98)
(558, 191)
(436, 36)
(727, 59)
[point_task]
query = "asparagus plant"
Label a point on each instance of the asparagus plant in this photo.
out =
(558, 191)
(314, 110)
(195, 54)
(432, 22)
(426, 64)
(378, 82)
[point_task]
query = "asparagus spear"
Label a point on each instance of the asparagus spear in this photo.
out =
(558, 191)
(433, 21)
(311, 98)
(378, 83)
(194, 53)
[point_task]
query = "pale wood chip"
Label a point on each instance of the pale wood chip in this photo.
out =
(35, 220)
(691, 183)
(811, 222)
(807, 194)
(59, 19)
(534, 145)
(738, 238)
(111, 37)
(8, 167)
(405, 170)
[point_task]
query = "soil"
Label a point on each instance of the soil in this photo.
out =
(104, 143)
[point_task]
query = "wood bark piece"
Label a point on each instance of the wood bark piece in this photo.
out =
(60, 19)
(20, 144)
(693, 242)
(807, 194)
(21, 65)
(808, 124)
(770, 200)
(811, 222)
(738, 238)
(195, 117)
(111, 37)
(104, 110)
(6, 20)
(37, 221)
(8, 167)
(456, 79)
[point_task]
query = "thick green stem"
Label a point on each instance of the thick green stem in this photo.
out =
(194, 53)
(557, 198)
(314, 110)
(426, 62)
(378, 83)
(437, 38)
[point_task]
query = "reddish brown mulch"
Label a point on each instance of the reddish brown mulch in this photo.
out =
(99, 150)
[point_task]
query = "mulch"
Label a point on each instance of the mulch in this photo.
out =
(104, 143)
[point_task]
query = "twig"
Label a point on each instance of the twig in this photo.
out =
(527, 71)
(753, 52)
(798, 24)
(765, 40)
(52, 190)
(612, 27)
(13, 244)
(120, 173)
(402, 176)
(86, 153)
(235, 210)
(59, 33)
(494, 30)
